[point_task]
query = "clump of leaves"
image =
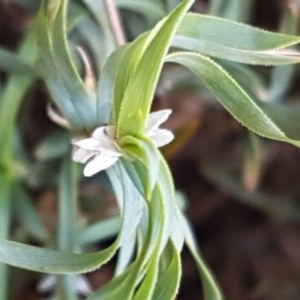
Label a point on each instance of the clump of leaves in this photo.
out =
(110, 125)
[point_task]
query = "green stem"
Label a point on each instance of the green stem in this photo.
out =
(115, 22)
(5, 192)
(215, 7)
(12, 96)
(67, 208)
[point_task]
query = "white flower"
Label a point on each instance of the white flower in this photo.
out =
(101, 150)
(48, 282)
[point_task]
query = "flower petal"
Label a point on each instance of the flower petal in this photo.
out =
(161, 137)
(81, 155)
(56, 118)
(83, 286)
(48, 282)
(88, 144)
(99, 163)
(105, 146)
(104, 132)
(155, 119)
(110, 148)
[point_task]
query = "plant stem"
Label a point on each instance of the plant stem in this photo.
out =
(67, 208)
(13, 94)
(115, 22)
(5, 192)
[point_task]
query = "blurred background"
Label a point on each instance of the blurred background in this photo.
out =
(240, 192)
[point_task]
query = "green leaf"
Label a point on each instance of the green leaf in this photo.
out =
(62, 78)
(27, 215)
(129, 200)
(83, 101)
(149, 10)
(216, 8)
(100, 15)
(127, 67)
(12, 96)
(114, 289)
(144, 150)
(99, 231)
(289, 19)
(265, 119)
(253, 161)
(106, 84)
(137, 173)
(282, 207)
(51, 261)
(149, 52)
(171, 4)
(126, 254)
(237, 10)
(13, 63)
(233, 34)
(75, 14)
(91, 39)
(147, 286)
(211, 290)
(31, 5)
(122, 287)
(54, 146)
(281, 79)
(233, 41)
(136, 24)
(51, 75)
(168, 281)
(144, 269)
(172, 214)
(282, 76)
(250, 80)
